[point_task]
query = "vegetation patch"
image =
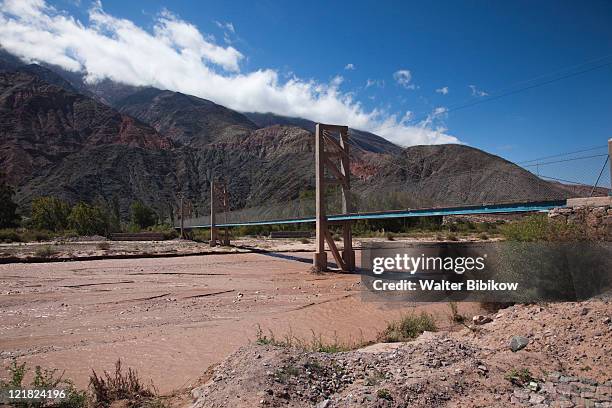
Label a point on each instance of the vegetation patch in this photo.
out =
(407, 328)
(45, 251)
(121, 386)
(43, 380)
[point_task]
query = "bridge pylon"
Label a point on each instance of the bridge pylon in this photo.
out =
(332, 155)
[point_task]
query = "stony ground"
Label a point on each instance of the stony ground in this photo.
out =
(567, 362)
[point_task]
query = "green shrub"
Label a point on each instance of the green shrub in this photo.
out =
(452, 237)
(9, 235)
(384, 393)
(142, 216)
(89, 220)
(43, 379)
(407, 328)
(538, 227)
(49, 213)
(519, 376)
(8, 208)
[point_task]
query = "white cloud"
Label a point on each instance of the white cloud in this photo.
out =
(477, 92)
(444, 90)
(175, 55)
(404, 78)
(379, 83)
(440, 110)
(226, 26)
(349, 67)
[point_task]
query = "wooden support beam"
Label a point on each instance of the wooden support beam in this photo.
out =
(332, 246)
(341, 178)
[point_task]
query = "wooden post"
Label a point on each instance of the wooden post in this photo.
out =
(320, 256)
(347, 237)
(182, 218)
(226, 239)
(213, 229)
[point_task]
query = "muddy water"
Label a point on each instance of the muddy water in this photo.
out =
(172, 318)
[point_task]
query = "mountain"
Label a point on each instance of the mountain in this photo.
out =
(184, 118)
(62, 136)
(41, 124)
(453, 174)
(366, 141)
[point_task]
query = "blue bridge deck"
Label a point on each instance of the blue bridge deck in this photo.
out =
(465, 210)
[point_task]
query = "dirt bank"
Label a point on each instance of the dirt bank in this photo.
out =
(566, 363)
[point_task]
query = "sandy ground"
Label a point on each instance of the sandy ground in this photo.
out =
(88, 248)
(172, 318)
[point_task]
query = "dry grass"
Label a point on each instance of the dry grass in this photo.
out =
(121, 386)
(407, 328)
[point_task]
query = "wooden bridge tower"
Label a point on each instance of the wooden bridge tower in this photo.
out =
(332, 155)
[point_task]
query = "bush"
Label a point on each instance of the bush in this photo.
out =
(407, 328)
(519, 377)
(9, 235)
(119, 386)
(384, 393)
(43, 379)
(45, 251)
(142, 216)
(89, 220)
(538, 227)
(49, 213)
(8, 209)
(455, 316)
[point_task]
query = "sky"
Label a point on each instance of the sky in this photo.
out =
(413, 72)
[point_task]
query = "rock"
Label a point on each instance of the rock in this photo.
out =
(323, 404)
(518, 343)
(533, 386)
(480, 319)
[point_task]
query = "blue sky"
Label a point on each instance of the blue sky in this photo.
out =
(488, 45)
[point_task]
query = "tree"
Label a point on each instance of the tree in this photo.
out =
(8, 209)
(89, 219)
(143, 216)
(50, 213)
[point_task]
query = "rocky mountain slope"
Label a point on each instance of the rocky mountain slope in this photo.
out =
(41, 124)
(365, 141)
(184, 118)
(153, 144)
